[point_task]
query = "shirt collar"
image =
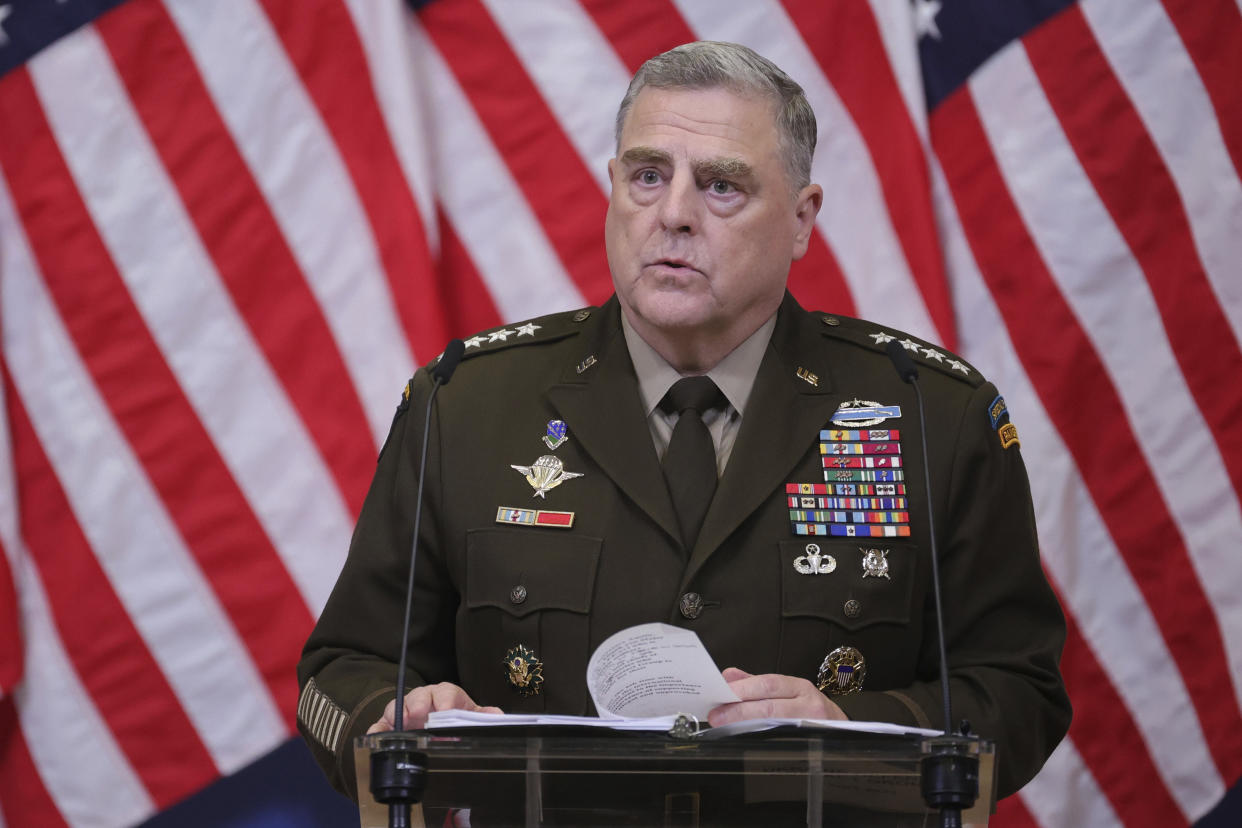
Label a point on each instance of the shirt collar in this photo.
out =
(734, 375)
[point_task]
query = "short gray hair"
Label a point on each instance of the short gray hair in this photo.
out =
(709, 64)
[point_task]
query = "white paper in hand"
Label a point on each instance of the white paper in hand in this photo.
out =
(655, 670)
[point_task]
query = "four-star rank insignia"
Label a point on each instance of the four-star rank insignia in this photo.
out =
(546, 474)
(524, 670)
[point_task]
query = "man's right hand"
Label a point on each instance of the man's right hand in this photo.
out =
(421, 701)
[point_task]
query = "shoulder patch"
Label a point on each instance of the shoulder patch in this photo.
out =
(533, 331)
(876, 337)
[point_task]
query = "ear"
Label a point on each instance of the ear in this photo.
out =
(806, 208)
(612, 171)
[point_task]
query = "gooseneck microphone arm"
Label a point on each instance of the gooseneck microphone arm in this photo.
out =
(950, 772)
(910, 374)
(398, 769)
(440, 375)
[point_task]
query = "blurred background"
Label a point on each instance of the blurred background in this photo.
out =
(231, 230)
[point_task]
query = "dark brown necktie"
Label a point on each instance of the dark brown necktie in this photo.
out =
(690, 461)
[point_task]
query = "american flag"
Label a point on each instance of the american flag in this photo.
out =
(230, 231)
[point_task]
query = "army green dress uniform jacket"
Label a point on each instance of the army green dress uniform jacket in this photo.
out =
(485, 587)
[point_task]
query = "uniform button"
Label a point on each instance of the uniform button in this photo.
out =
(853, 609)
(691, 605)
(582, 315)
(831, 321)
(518, 594)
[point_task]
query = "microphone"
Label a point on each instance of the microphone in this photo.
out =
(398, 772)
(950, 774)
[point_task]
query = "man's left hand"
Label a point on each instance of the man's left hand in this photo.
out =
(772, 696)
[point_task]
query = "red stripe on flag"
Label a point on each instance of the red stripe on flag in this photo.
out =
(24, 801)
(1011, 812)
(241, 236)
(1091, 420)
(817, 282)
(1135, 185)
(561, 192)
(12, 655)
(1212, 33)
(467, 305)
(203, 500)
(321, 40)
(639, 29)
(845, 40)
(108, 653)
(1109, 742)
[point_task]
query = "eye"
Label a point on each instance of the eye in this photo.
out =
(721, 187)
(649, 177)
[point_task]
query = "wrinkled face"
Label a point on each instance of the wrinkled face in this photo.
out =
(703, 221)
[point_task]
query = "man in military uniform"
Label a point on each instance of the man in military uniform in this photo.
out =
(549, 521)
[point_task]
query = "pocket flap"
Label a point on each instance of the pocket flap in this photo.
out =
(524, 571)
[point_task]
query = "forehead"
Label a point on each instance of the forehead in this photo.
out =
(715, 121)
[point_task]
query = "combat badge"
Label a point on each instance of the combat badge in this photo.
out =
(863, 413)
(557, 434)
(545, 474)
(524, 671)
(813, 563)
(842, 672)
(875, 563)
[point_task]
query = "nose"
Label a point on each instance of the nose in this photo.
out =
(679, 208)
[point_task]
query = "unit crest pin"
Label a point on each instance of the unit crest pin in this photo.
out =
(557, 434)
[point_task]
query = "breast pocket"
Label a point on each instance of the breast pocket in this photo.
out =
(524, 627)
(858, 593)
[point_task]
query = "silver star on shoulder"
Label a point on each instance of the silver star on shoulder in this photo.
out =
(959, 366)
(881, 337)
(932, 353)
(499, 336)
(909, 344)
(474, 341)
(925, 12)
(528, 329)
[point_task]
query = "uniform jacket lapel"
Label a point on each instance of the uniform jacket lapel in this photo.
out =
(601, 403)
(782, 419)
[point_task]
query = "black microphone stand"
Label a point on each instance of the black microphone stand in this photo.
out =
(398, 768)
(949, 772)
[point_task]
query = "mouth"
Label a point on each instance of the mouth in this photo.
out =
(673, 264)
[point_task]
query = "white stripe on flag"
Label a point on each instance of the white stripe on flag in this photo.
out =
(576, 70)
(896, 22)
(260, 97)
(402, 99)
(1106, 288)
(218, 365)
(57, 719)
(1151, 63)
(485, 204)
(1065, 793)
(126, 523)
(854, 218)
(1126, 650)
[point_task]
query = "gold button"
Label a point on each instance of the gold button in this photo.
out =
(853, 609)
(582, 315)
(691, 605)
(831, 321)
(518, 594)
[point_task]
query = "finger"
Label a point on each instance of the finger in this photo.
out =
(445, 696)
(489, 709)
(768, 686)
(734, 673)
(417, 706)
